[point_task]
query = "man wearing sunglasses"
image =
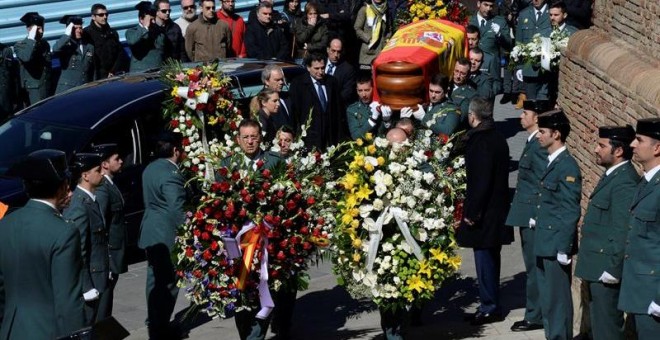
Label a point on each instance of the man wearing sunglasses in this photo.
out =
(109, 55)
(189, 15)
(174, 45)
(208, 38)
(146, 40)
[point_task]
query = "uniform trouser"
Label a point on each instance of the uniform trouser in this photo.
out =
(554, 282)
(532, 304)
(536, 87)
(488, 262)
(510, 83)
(105, 303)
(647, 326)
(606, 320)
(249, 326)
(285, 301)
(394, 323)
(161, 291)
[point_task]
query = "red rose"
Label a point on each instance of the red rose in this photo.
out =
(200, 107)
(197, 233)
(189, 252)
(214, 245)
(235, 176)
(271, 248)
(194, 77)
(178, 100)
(288, 223)
(292, 251)
(185, 141)
(261, 195)
(260, 163)
(229, 213)
(223, 172)
(428, 154)
(209, 228)
(304, 230)
(242, 213)
(274, 274)
(307, 246)
(232, 125)
(190, 94)
(290, 205)
(174, 123)
(194, 168)
(280, 255)
(311, 201)
(268, 219)
(280, 193)
(320, 221)
(224, 187)
(277, 220)
(213, 272)
(265, 172)
(199, 215)
(297, 185)
(205, 236)
(265, 186)
(284, 243)
(247, 199)
(318, 180)
(443, 138)
(217, 215)
(197, 273)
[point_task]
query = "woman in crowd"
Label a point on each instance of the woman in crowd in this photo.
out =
(310, 33)
(269, 103)
(373, 27)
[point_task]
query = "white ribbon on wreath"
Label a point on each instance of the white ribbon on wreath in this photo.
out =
(376, 234)
(546, 54)
(192, 104)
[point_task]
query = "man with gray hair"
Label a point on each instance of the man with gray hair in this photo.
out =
(272, 76)
(486, 206)
(189, 15)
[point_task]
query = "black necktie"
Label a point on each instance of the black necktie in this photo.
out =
(331, 69)
(483, 23)
(538, 14)
(322, 99)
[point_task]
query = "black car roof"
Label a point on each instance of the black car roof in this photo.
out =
(89, 105)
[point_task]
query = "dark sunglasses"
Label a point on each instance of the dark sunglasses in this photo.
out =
(165, 11)
(185, 8)
(210, 8)
(101, 15)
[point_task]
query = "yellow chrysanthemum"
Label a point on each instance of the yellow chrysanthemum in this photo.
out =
(356, 257)
(355, 224)
(213, 120)
(346, 219)
(359, 142)
(442, 13)
(427, 9)
(439, 3)
(368, 167)
(368, 136)
(371, 149)
(364, 192)
(349, 181)
(359, 160)
(355, 212)
(357, 243)
(175, 89)
(351, 201)
(380, 160)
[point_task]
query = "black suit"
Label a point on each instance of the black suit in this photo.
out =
(326, 127)
(345, 74)
(284, 115)
(487, 205)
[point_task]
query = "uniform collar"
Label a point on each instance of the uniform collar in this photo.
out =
(532, 135)
(109, 179)
(89, 193)
(651, 173)
(614, 167)
(46, 203)
(554, 155)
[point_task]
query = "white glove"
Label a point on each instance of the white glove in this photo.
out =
(406, 112)
(563, 259)
(69, 29)
(532, 223)
(386, 113)
(32, 34)
(91, 295)
(420, 113)
(606, 277)
(375, 113)
(654, 309)
(495, 27)
(519, 75)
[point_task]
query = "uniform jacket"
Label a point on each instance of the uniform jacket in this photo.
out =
(207, 40)
(569, 29)
(558, 209)
(266, 42)
(40, 287)
(363, 32)
(489, 41)
(461, 97)
(487, 167)
(108, 52)
(164, 196)
(357, 117)
(238, 161)
(527, 27)
(326, 128)
(111, 204)
(533, 163)
(316, 37)
(35, 59)
(77, 63)
(84, 214)
(484, 84)
(147, 47)
(640, 283)
(8, 81)
(491, 66)
(605, 227)
(443, 117)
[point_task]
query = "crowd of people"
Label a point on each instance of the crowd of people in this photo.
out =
(333, 102)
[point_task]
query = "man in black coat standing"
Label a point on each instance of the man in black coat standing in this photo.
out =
(339, 68)
(320, 94)
(486, 206)
(263, 38)
(108, 52)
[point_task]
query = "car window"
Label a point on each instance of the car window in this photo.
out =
(19, 137)
(124, 135)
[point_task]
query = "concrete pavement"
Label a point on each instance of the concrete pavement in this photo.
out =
(326, 311)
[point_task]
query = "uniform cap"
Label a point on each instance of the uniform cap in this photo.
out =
(75, 19)
(624, 134)
(85, 161)
(538, 106)
(33, 18)
(554, 119)
(649, 127)
(46, 165)
(105, 150)
(171, 137)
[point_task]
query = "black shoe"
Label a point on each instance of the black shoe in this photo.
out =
(524, 325)
(483, 318)
(506, 98)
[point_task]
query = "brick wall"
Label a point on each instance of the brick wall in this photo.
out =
(609, 75)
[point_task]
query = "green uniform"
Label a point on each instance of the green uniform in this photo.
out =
(640, 284)
(443, 117)
(77, 63)
(602, 246)
(557, 215)
(493, 43)
(484, 84)
(491, 65)
(164, 196)
(111, 204)
(461, 97)
(147, 47)
(84, 213)
(357, 116)
(40, 287)
(35, 59)
(532, 165)
(7, 82)
(535, 83)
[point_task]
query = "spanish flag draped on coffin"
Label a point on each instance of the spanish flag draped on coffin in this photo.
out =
(413, 55)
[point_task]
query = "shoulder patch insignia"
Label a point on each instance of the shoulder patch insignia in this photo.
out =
(570, 179)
